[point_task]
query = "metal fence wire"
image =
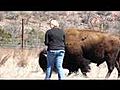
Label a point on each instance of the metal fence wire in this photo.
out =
(18, 36)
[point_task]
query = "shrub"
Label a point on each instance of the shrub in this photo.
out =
(5, 37)
(41, 36)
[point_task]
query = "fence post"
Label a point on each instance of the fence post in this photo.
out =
(22, 32)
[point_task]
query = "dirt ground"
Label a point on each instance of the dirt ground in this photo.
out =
(23, 64)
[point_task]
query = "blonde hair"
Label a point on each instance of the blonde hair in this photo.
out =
(54, 23)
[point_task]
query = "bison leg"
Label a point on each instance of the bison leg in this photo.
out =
(110, 58)
(84, 74)
(112, 61)
(69, 73)
(111, 65)
(118, 68)
(109, 72)
(84, 65)
(117, 64)
(72, 69)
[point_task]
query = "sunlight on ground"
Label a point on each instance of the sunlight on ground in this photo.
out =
(11, 70)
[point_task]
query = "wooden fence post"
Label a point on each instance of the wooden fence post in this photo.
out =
(22, 33)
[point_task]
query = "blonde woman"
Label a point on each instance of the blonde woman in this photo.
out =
(55, 42)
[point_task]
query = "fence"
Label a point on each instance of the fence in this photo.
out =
(21, 39)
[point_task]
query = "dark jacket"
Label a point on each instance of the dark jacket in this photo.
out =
(55, 39)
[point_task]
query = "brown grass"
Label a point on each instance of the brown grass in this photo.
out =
(23, 64)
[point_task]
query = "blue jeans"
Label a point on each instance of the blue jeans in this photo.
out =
(55, 57)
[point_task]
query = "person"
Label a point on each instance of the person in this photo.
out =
(55, 42)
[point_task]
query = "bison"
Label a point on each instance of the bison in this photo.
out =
(93, 46)
(86, 46)
(43, 60)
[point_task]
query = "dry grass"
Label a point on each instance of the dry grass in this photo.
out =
(23, 64)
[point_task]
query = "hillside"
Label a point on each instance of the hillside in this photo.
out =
(35, 24)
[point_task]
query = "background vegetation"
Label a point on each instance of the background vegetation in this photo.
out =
(35, 24)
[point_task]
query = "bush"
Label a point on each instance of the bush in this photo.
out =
(41, 36)
(5, 37)
(11, 16)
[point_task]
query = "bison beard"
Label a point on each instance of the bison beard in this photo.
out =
(85, 46)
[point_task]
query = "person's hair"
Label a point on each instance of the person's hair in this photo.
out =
(54, 23)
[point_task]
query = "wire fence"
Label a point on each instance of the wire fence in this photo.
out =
(20, 38)
(29, 32)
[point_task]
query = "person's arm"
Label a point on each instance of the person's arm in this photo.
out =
(46, 39)
(64, 37)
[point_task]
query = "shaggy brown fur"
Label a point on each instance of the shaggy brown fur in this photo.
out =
(92, 46)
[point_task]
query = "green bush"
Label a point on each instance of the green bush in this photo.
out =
(41, 36)
(5, 37)
(32, 32)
